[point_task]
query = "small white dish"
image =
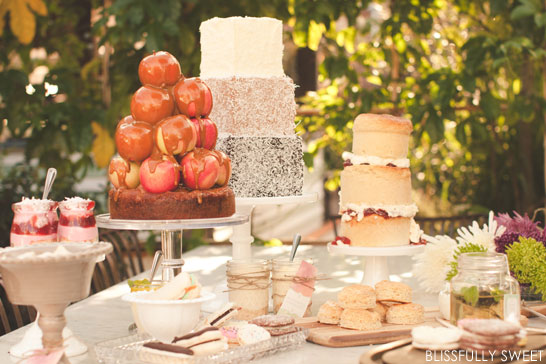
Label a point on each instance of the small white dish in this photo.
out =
(166, 319)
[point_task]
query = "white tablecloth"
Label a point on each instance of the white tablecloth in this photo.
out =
(105, 316)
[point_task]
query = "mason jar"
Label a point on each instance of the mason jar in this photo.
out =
(283, 276)
(77, 221)
(484, 288)
(34, 221)
(248, 282)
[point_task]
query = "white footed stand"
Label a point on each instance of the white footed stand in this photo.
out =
(374, 259)
(32, 340)
(242, 234)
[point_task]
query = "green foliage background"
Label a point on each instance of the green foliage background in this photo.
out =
(469, 74)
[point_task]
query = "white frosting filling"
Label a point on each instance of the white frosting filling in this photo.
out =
(374, 160)
(415, 232)
(351, 210)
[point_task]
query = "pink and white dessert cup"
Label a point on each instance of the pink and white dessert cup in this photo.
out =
(34, 221)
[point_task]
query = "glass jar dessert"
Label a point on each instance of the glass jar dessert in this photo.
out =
(34, 221)
(484, 288)
(283, 276)
(248, 283)
(77, 222)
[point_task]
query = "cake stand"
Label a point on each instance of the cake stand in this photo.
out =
(171, 245)
(242, 234)
(40, 276)
(374, 259)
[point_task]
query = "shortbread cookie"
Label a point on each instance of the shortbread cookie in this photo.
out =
(226, 313)
(276, 325)
(251, 334)
(201, 336)
(160, 353)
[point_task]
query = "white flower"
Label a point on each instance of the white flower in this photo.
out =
(484, 236)
(432, 265)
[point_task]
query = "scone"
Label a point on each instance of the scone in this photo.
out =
(329, 313)
(359, 319)
(381, 310)
(357, 296)
(387, 291)
(408, 313)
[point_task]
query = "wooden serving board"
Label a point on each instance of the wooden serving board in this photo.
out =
(337, 337)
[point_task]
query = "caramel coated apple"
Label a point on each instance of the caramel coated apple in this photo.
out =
(123, 173)
(158, 176)
(151, 104)
(159, 69)
(134, 139)
(207, 133)
(175, 135)
(200, 169)
(224, 170)
(193, 97)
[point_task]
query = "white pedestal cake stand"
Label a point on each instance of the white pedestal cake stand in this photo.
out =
(242, 234)
(374, 259)
(171, 245)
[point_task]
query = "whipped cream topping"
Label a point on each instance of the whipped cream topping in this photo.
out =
(374, 160)
(35, 204)
(351, 210)
(415, 232)
(76, 203)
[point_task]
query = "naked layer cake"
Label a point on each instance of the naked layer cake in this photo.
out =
(168, 167)
(241, 62)
(375, 201)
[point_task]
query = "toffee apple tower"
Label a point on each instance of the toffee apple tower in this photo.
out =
(168, 167)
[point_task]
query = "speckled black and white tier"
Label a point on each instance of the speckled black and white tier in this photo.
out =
(264, 166)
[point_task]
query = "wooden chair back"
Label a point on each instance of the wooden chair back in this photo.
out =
(124, 262)
(13, 316)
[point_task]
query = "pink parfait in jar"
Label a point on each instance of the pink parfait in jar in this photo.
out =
(77, 222)
(34, 221)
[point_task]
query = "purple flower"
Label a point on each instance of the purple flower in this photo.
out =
(515, 227)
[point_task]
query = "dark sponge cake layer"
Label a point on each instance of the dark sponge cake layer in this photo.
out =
(137, 204)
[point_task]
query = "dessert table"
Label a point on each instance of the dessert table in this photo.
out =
(105, 316)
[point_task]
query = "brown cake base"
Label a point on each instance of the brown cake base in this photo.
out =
(137, 204)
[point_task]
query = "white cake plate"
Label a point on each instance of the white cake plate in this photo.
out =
(374, 259)
(242, 234)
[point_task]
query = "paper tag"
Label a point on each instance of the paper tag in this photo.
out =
(511, 307)
(45, 357)
(299, 295)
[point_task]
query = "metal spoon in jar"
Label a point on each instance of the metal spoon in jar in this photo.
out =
(295, 245)
(50, 178)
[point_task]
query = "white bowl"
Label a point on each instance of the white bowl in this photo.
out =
(166, 319)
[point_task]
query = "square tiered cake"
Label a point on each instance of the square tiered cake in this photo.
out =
(241, 61)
